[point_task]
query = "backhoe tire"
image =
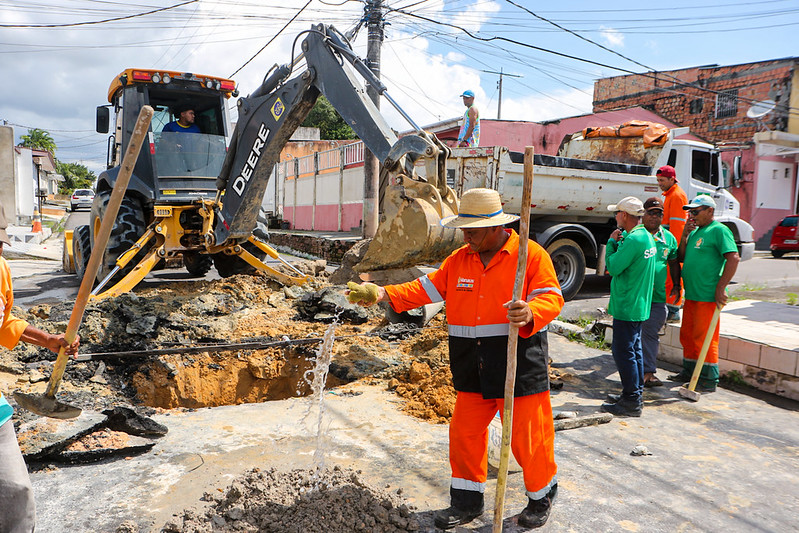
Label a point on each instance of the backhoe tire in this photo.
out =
(197, 264)
(569, 262)
(81, 249)
(129, 226)
(230, 265)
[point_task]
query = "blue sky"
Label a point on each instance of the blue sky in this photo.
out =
(54, 77)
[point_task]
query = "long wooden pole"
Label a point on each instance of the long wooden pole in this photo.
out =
(128, 162)
(513, 341)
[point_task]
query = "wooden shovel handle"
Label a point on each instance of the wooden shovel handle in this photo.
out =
(513, 341)
(100, 240)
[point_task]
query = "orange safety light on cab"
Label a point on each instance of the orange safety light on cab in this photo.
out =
(228, 85)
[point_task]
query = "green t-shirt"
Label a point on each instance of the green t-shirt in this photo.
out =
(667, 247)
(704, 260)
(631, 262)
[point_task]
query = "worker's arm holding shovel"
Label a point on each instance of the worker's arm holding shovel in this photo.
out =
(47, 340)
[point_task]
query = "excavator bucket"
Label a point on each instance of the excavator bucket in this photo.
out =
(410, 232)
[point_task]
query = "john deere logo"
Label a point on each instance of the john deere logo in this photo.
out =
(277, 109)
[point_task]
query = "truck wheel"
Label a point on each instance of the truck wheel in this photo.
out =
(81, 249)
(569, 261)
(777, 253)
(197, 264)
(129, 226)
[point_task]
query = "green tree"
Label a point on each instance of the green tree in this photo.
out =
(76, 176)
(331, 125)
(37, 139)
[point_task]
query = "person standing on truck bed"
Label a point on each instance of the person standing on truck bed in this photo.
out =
(185, 121)
(630, 259)
(674, 198)
(17, 506)
(710, 259)
(469, 134)
(476, 282)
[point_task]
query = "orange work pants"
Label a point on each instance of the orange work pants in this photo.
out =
(669, 285)
(696, 317)
(532, 441)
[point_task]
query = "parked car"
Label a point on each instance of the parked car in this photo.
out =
(81, 198)
(784, 238)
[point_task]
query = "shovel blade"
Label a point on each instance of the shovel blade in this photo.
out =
(689, 394)
(44, 406)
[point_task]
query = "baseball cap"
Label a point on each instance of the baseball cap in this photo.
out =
(3, 225)
(630, 204)
(667, 171)
(703, 200)
(468, 93)
(652, 204)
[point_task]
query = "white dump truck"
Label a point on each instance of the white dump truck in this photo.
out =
(571, 191)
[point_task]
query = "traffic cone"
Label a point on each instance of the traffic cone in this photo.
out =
(37, 222)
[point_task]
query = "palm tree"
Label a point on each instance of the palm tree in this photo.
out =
(37, 139)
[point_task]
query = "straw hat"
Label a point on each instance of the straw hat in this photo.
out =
(480, 208)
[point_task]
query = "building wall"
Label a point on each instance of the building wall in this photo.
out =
(686, 103)
(7, 173)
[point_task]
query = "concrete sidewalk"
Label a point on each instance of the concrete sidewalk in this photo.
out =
(726, 463)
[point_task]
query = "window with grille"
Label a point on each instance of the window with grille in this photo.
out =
(727, 103)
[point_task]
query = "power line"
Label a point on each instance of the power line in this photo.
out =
(286, 25)
(88, 23)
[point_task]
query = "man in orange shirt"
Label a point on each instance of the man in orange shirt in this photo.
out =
(17, 507)
(476, 282)
(673, 220)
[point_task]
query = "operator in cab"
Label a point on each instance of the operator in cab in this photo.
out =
(185, 120)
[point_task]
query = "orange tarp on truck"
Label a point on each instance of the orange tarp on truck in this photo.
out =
(654, 134)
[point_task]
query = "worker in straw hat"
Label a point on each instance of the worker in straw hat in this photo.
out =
(476, 282)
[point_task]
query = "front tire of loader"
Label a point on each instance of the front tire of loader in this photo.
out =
(569, 262)
(130, 224)
(197, 264)
(81, 249)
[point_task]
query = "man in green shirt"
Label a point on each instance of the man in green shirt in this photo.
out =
(710, 258)
(666, 264)
(630, 259)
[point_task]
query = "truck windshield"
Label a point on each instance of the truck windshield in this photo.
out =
(188, 154)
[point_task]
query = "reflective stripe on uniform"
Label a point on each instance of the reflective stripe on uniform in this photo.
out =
(465, 484)
(483, 330)
(431, 290)
(537, 495)
(543, 290)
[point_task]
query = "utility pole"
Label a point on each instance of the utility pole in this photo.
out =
(373, 13)
(499, 102)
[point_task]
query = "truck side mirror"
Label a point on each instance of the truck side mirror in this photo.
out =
(737, 171)
(102, 119)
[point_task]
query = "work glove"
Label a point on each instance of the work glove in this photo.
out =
(366, 293)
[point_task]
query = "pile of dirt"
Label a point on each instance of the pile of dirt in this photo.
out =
(430, 394)
(334, 501)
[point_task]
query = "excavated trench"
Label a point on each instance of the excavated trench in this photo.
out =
(239, 309)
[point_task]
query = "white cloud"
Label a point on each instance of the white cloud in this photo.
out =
(613, 38)
(538, 107)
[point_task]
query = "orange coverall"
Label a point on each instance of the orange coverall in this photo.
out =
(478, 337)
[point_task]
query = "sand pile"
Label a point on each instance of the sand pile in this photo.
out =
(299, 501)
